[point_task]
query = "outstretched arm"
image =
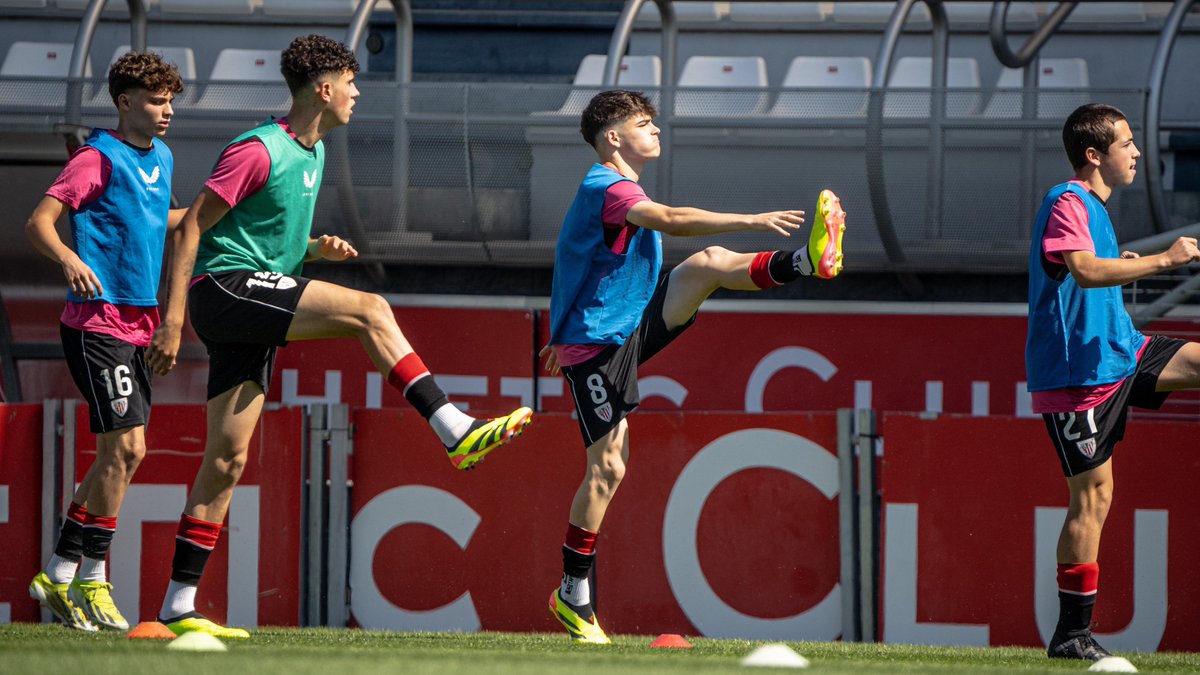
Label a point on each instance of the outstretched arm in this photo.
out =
(42, 233)
(684, 221)
(182, 244)
(1092, 272)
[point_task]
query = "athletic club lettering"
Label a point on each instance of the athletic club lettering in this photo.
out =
(271, 280)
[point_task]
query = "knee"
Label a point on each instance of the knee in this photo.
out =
(711, 256)
(376, 311)
(1093, 503)
(608, 473)
(131, 456)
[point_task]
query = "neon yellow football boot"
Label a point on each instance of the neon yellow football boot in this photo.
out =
(53, 597)
(192, 622)
(487, 435)
(95, 599)
(825, 242)
(585, 631)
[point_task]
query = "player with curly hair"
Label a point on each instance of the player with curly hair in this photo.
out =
(116, 190)
(239, 255)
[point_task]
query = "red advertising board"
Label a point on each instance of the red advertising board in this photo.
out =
(971, 513)
(253, 576)
(20, 508)
(725, 524)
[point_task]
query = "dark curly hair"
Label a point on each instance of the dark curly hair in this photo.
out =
(609, 108)
(1092, 125)
(143, 70)
(311, 56)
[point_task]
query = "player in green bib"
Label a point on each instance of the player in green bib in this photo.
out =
(238, 255)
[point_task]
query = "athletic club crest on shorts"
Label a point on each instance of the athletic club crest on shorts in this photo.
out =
(1087, 447)
(120, 405)
(604, 412)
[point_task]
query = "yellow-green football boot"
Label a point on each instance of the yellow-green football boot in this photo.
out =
(825, 242)
(586, 631)
(193, 622)
(487, 435)
(53, 597)
(95, 599)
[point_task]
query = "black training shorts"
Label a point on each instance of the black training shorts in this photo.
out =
(113, 377)
(242, 317)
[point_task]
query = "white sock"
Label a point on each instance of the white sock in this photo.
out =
(802, 263)
(92, 569)
(180, 599)
(575, 591)
(61, 570)
(450, 424)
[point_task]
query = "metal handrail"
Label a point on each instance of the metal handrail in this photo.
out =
(83, 45)
(1153, 112)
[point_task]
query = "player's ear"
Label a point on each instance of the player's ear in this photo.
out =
(1092, 155)
(613, 137)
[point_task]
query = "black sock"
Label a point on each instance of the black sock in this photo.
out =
(70, 540)
(1074, 615)
(96, 541)
(788, 266)
(426, 396)
(576, 564)
(188, 564)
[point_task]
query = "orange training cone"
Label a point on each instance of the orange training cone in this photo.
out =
(671, 641)
(150, 630)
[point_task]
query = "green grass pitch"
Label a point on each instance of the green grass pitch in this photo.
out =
(33, 648)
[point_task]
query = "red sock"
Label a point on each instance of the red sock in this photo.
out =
(580, 540)
(1080, 579)
(760, 273)
(77, 513)
(199, 532)
(406, 371)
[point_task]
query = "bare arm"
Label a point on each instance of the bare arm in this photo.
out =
(1092, 272)
(185, 239)
(42, 233)
(174, 217)
(684, 221)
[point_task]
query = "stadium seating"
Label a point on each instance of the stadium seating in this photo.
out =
(779, 12)
(237, 67)
(23, 4)
(309, 7)
(37, 60)
(636, 71)
(184, 60)
(915, 72)
(1052, 74)
(822, 73)
(726, 74)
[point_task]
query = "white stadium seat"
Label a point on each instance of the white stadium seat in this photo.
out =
(1051, 74)
(779, 12)
(1106, 12)
(981, 12)
(184, 60)
(725, 73)
(636, 71)
(23, 4)
(823, 73)
(38, 59)
(916, 72)
(245, 65)
(113, 6)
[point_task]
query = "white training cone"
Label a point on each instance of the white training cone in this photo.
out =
(774, 656)
(1113, 664)
(197, 642)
